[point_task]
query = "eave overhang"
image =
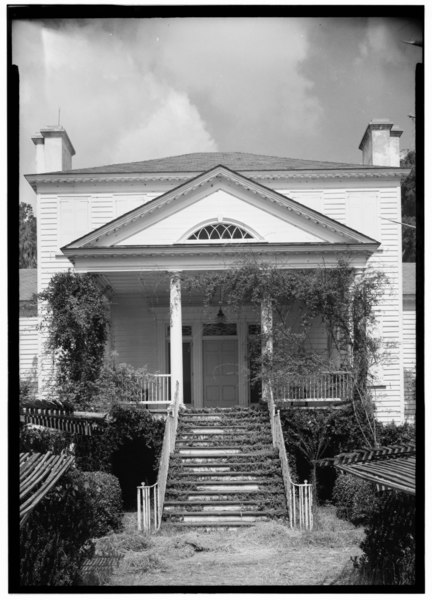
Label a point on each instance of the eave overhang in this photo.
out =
(61, 178)
(237, 249)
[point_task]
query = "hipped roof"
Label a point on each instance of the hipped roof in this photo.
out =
(204, 161)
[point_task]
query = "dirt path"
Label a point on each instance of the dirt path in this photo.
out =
(266, 554)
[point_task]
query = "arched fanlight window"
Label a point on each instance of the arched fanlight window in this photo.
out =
(220, 231)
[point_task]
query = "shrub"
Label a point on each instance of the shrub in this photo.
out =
(118, 383)
(391, 433)
(27, 389)
(389, 545)
(55, 540)
(355, 499)
(36, 439)
(312, 434)
(51, 404)
(129, 448)
(105, 496)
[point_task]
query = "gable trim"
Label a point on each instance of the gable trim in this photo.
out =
(218, 173)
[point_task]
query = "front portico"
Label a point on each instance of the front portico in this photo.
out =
(208, 224)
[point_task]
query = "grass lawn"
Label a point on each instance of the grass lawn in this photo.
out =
(268, 553)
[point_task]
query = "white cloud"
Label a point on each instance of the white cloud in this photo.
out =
(174, 128)
(381, 43)
(114, 106)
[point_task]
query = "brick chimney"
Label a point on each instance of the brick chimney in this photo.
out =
(380, 144)
(54, 150)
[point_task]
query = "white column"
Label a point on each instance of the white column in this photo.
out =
(267, 338)
(176, 338)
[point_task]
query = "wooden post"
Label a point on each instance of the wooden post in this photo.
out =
(176, 338)
(267, 340)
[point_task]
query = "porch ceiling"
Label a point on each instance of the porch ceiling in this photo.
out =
(152, 286)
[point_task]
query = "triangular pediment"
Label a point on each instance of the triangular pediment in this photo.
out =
(220, 196)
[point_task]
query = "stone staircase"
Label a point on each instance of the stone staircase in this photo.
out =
(224, 471)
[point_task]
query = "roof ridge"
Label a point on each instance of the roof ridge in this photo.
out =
(204, 161)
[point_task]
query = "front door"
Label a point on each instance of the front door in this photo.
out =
(220, 372)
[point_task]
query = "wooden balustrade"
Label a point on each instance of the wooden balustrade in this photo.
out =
(150, 519)
(324, 386)
(298, 496)
(156, 389)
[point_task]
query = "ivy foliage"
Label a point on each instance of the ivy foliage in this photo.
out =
(342, 302)
(77, 325)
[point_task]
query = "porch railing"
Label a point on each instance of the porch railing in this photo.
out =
(156, 389)
(150, 498)
(299, 496)
(336, 385)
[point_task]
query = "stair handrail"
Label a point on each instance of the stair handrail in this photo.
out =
(168, 446)
(298, 496)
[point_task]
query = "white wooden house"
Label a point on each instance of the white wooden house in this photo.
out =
(28, 320)
(140, 225)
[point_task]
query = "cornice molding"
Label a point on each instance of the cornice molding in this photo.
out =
(65, 178)
(215, 249)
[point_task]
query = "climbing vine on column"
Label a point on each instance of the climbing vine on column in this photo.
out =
(76, 319)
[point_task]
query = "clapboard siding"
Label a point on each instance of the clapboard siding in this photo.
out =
(133, 337)
(389, 261)
(28, 345)
(409, 355)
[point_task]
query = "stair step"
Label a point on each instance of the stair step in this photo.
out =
(228, 495)
(212, 429)
(200, 451)
(211, 507)
(221, 468)
(213, 486)
(223, 476)
(220, 503)
(239, 444)
(210, 485)
(200, 516)
(224, 458)
(212, 526)
(220, 435)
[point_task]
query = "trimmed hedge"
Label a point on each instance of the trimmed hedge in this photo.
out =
(354, 498)
(57, 537)
(389, 546)
(104, 492)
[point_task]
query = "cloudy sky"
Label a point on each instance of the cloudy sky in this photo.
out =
(135, 89)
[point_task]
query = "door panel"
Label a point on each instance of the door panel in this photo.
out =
(220, 373)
